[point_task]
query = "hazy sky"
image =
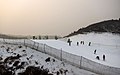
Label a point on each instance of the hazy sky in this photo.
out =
(53, 17)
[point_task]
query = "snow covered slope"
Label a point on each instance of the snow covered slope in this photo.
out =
(103, 38)
(104, 43)
(12, 56)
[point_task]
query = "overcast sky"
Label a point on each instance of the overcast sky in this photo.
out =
(54, 17)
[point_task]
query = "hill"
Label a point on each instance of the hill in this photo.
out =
(12, 36)
(111, 26)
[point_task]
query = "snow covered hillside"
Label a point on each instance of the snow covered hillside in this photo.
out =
(104, 43)
(16, 59)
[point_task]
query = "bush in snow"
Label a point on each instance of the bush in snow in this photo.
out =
(31, 70)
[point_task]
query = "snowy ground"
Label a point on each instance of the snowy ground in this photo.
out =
(104, 43)
(35, 58)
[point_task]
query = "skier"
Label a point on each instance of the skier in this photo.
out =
(95, 51)
(103, 57)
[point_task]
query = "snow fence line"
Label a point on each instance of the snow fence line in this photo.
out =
(78, 61)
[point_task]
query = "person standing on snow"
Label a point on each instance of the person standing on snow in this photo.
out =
(77, 43)
(103, 57)
(89, 44)
(69, 42)
(97, 57)
(95, 51)
(82, 42)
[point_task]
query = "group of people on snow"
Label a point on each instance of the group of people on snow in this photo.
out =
(97, 57)
(89, 44)
(81, 42)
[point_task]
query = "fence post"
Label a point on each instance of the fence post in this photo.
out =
(61, 55)
(44, 48)
(24, 41)
(37, 46)
(4, 40)
(33, 45)
(25, 44)
(80, 61)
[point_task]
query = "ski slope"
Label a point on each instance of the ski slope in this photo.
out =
(104, 43)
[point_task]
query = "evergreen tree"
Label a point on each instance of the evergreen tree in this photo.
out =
(46, 37)
(39, 37)
(56, 37)
(33, 37)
